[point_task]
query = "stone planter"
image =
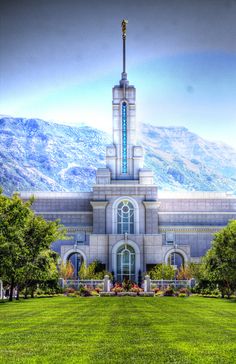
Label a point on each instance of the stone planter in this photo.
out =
(132, 294)
(146, 294)
(107, 294)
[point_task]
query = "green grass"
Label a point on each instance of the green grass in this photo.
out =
(118, 330)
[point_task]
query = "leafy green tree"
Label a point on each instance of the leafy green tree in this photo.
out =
(220, 260)
(94, 270)
(196, 270)
(44, 271)
(162, 271)
(38, 236)
(14, 215)
(25, 241)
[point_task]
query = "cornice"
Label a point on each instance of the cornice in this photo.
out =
(151, 204)
(63, 212)
(197, 213)
(75, 229)
(190, 229)
(99, 204)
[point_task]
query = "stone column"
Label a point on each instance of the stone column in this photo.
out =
(106, 282)
(151, 220)
(99, 216)
(147, 284)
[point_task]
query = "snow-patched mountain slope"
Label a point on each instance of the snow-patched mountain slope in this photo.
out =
(45, 156)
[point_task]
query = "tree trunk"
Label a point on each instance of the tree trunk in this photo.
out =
(11, 289)
(26, 293)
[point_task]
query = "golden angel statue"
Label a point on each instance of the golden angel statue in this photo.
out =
(123, 25)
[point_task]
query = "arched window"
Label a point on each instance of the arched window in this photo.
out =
(125, 263)
(125, 217)
(176, 259)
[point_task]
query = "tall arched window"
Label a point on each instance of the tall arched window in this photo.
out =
(125, 217)
(125, 263)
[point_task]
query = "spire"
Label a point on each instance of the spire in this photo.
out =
(124, 80)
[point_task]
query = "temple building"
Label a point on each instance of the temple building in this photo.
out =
(125, 222)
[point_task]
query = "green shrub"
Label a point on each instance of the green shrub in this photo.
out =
(169, 291)
(159, 293)
(162, 271)
(127, 285)
(184, 290)
(84, 291)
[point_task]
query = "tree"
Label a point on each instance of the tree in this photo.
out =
(220, 260)
(83, 271)
(66, 270)
(44, 271)
(94, 270)
(41, 261)
(196, 270)
(162, 271)
(25, 241)
(186, 271)
(14, 214)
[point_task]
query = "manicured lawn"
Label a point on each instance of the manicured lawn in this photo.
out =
(118, 330)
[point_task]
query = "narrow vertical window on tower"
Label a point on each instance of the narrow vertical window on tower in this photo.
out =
(124, 137)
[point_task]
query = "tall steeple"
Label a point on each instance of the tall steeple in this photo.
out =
(124, 158)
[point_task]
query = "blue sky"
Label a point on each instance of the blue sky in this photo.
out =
(60, 59)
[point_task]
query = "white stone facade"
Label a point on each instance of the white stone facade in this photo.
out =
(124, 222)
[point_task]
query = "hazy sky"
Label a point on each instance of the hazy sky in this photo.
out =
(59, 60)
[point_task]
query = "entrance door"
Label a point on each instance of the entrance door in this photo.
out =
(125, 263)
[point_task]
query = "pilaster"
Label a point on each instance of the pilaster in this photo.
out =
(99, 216)
(151, 216)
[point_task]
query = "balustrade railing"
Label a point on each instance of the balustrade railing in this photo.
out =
(163, 283)
(75, 283)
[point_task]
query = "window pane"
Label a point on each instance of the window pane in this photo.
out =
(125, 217)
(126, 257)
(118, 264)
(132, 260)
(126, 270)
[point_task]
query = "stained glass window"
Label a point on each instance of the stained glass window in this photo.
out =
(124, 137)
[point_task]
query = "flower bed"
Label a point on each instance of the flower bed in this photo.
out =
(127, 288)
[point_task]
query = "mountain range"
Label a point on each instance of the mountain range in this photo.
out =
(37, 155)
